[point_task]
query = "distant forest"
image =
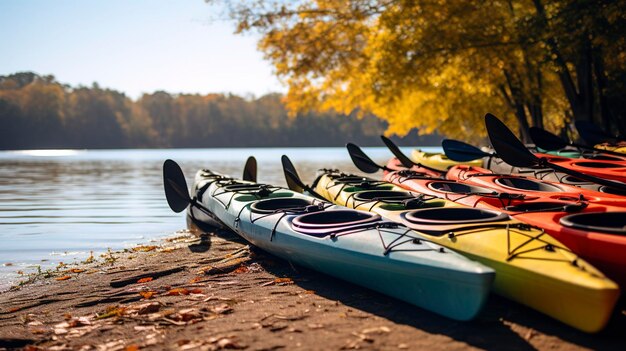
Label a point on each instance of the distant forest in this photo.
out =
(37, 112)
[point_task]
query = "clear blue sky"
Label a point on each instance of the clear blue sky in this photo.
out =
(133, 46)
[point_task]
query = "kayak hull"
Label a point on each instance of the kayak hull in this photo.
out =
(442, 282)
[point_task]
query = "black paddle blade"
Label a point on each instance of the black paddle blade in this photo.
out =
(176, 191)
(546, 140)
(506, 144)
(250, 170)
(462, 152)
(592, 134)
(395, 150)
(291, 175)
(361, 160)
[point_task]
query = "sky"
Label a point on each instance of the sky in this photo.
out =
(133, 46)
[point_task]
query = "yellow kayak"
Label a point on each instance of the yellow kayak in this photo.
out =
(439, 160)
(621, 148)
(531, 267)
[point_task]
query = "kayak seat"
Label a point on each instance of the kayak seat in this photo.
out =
(383, 195)
(527, 184)
(397, 200)
(459, 188)
(591, 164)
(547, 206)
(355, 188)
(603, 157)
(604, 222)
(609, 190)
(321, 224)
(281, 204)
(443, 220)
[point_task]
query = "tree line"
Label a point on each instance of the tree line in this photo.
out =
(38, 112)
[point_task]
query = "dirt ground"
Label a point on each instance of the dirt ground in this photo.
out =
(213, 292)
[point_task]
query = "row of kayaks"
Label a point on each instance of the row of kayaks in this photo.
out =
(439, 236)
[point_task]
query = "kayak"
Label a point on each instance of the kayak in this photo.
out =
(438, 160)
(498, 166)
(518, 183)
(614, 170)
(620, 147)
(356, 246)
(394, 164)
(530, 186)
(599, 238)
(532, 267)
(590, 155)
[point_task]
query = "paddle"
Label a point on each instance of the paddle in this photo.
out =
(548, 141)
(293, 179)
(593, 135)
(362, 161)
(176, 191)
(250, 170)
(462, 152)
(513, 152)
(406, 162)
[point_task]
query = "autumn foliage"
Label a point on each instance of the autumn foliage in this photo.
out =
(440, 65)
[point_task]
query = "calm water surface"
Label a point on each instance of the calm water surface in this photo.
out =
(58, 205)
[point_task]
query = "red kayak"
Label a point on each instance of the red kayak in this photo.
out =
(596, 232)
(613, 170)
(530, 186)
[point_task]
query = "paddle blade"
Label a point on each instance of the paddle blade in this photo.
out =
(250, 170)
(592, 134)
(291, 175)
(361, 160)
(395, 150)
(461, 152)
(175, 186)
(506, 144)
(546, 140)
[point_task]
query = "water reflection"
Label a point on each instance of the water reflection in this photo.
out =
(58, 205)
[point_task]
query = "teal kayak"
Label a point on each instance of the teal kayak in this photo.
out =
(352, 245)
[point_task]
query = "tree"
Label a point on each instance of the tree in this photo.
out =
(441, 64)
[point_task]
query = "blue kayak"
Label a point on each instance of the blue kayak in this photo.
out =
(356, 246)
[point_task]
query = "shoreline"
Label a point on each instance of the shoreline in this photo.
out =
(212, 291)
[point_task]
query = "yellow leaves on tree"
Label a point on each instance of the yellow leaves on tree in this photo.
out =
(433, 65)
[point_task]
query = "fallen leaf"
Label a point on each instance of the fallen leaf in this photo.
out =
(283, 280)
(78, 322)
(151, 307)
(147, 294)
(178, 291)
(132, 347)
(144, 280)
(241, 269)
(65, 277)
(195, 291)
(196, 280)
(14, 309)
(76, 270)
(112, 312)
(145, 248)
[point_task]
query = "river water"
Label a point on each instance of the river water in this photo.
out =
(59, 205)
